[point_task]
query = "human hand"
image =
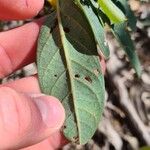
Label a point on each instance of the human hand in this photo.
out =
(26, 116)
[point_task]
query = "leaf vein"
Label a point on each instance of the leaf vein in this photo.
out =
(45, 68)
(78, 42)
(63, 73)
(93, 115)
(65, 96)
(44, 45)
(79, 25)
(86, 85)
(83, 67)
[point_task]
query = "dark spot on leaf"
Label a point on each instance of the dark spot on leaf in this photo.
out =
(87, 78)
(55, 75)
(77, 76)
(64, 127)
(66, 29)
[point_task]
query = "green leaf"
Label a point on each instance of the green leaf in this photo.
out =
(69, 69)
(129, 13)
(97, 28)
(112, 11)
(124, 38)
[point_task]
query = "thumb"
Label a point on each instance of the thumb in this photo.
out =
(27, 119)
(19, 9)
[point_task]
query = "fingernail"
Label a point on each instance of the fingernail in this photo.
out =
(51, 110)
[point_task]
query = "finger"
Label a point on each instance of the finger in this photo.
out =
(18, 47)
(57, 140)
(44, 145)
(27, 119)
(24, 85)
(19, 9)
(54, 142)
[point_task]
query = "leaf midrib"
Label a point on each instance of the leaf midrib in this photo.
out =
(68, 63)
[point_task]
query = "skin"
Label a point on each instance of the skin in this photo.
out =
(29, 120)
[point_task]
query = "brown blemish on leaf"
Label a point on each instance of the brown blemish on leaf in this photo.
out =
(87, 78)
(66, 29)
(96, 72)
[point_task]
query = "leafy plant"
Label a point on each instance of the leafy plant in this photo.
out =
(69, 45)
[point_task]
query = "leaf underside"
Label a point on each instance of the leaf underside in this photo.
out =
(69, 69)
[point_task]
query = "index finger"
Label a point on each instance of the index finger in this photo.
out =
(19, 9)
